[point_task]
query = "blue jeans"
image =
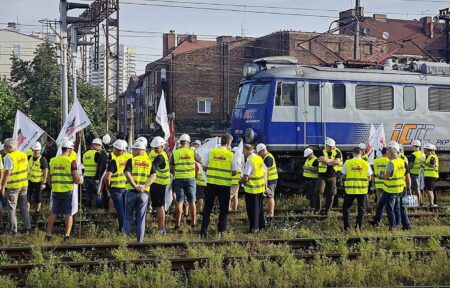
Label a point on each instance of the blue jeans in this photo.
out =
(135, 202)
(184, 188)
(386, 200)
(118, 198)
(401, 215)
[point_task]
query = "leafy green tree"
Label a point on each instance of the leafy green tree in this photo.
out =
(8, 106)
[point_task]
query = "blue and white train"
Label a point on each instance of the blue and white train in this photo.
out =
(290, 107)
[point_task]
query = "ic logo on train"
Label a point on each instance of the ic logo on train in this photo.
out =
(406, 133)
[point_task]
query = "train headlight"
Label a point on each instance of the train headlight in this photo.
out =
(250, 69)
(249, 135)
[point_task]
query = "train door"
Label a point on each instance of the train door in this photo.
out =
(315, 131)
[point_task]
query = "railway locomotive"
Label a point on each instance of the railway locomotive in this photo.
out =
(290, 107)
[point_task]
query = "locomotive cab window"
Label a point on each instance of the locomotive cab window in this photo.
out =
(259, 93)
(374, 97)
(439, 99)
(339, 96)
(409, 98)
(243, 94)
(286, 94)
(314, 94)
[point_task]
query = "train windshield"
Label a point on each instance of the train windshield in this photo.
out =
(253, 93)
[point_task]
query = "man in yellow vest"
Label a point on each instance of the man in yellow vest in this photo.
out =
(37, 176)
(310, 169)
(329, 164)
(2, 199)
(15, 183)
(160, 165)
(416, 170)
(356, 174)
(182, 165)
(196, 145)
(431, 171)
(116, 181)
(395, 178)
(238, 164)
(254, 181)
(91, 159)
(272, 176)
(379, 167)
(219, 173)
(138, 171)
(63, 176)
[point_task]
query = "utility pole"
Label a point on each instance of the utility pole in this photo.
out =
(444, 14)
(64, 85)
(357, 48)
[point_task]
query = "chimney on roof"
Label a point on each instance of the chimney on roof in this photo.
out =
(186, 37)
(345, 17)
(380, 17)
(12, 26)
(224, 39)
(168, 42)
(428, 26)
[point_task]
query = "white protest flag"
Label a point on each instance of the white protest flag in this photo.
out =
(238, 158)
(377, 142)
(26, 132)
(161, 117)
(203, 152)
(76, 121)
(76, 186)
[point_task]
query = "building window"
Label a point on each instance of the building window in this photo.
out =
(439, 99)
(339, 96)
(248, 53)
(374, 97)
(334, 46)
(314, 95)
(204, 106)
(286, 94)
(409, 98)
(367, 48)
(16, 51)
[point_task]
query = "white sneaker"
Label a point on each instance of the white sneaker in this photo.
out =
(433, 205)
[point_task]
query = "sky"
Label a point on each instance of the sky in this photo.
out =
(148, 17)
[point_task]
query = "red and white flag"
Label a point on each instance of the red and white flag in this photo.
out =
(377, 140)
(26, 132)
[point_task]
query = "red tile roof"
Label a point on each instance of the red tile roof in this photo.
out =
(187, 46)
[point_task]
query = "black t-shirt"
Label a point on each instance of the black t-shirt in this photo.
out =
(268, 161)
(330, 170)
(44, 163)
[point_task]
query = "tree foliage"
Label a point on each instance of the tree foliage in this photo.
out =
(8, 106)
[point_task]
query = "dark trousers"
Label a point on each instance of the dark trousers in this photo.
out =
(326, 187)
(348, 202)
(311, 192)
(386, 200)
(223, 193)
(255, 211)
(401, 215)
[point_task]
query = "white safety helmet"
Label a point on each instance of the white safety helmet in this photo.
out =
(37, 146)
(429, 146)
(106, 139)
(143, 140)
(138, 145)
(120, 145)
(260, 147)
(394, 145)
(362, 146)
(198, 142)
(416, 143)
(67, 143)
(124, 143)
(185, 137)
(330, 142)
(97, 141)
(157, 141)
(307, 152)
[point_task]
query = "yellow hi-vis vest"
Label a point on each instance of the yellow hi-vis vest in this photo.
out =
(365, 157)
(219, 167)
(235, 179)
(356, 179)
(256, 183)
(379, 166)
(19, 175)
(118, 179)
(35, 173)
(396, 183)
(140, 171)
(323, 167)
(61, 174)
(152, 155)
(272, 173)
(73, 156)
(184, 162)
(90, 167)
(418, 158)
(338, 168)
(432, 172)
(162, 176)
(199, 179)
(307, 173)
